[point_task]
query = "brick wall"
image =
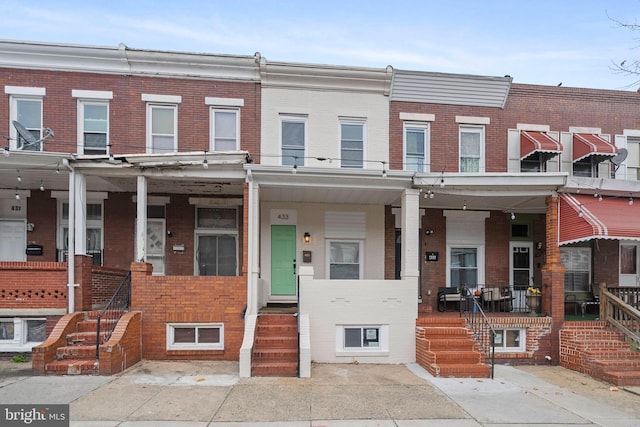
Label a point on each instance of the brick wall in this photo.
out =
(104, 282)
(124, 348)
(30, 285)
(41, 212)
(538, 339)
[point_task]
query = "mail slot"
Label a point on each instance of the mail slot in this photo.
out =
(35, 250)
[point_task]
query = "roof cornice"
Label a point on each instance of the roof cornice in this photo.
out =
(291, 75)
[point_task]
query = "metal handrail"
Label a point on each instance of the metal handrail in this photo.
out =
(113, 311)
(483, 333)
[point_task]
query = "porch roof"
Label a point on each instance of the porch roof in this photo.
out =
(584, 217)
(329, 185)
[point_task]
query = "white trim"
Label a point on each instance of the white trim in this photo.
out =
(167, 99)
(194, 346)
(11, 194)
(360, 243)
(470, 120)
(212, 127)
(209, 201)
(426, 156)
(224, 102)
(25, 90)
(533, 128)
(28, 312)
(522, 340)
(80, 147)
(294, 118)
(92, 94)
(578, 129)
(381, 350)
(417, 117)
(631, 132)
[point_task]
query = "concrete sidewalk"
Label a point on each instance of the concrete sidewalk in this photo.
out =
(211, 394)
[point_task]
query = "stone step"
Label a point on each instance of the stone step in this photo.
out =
(72, 367)
(76, 352)
(460, 370)
(83, 338)
(622, 377)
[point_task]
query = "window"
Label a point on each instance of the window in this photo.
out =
(162, 125)
(352, 134)
(585, 167)
(344, 260)
(20, 334)
(577, 264)
(633, 158)
(361, 337)
(196, 336)
(510, 340)
(629, 258)
(93, 120)
(93, 230)
(471, 148)
(416, 140)
(224, 133)
(536, 162)
(28, 112)
(293, 131)
(366, 340)
(216, 241)
(464, 266)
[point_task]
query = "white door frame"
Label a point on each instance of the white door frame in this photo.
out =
(629, 279)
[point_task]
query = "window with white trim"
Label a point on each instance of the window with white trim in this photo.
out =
(577, 264)
(195, 336)
(633, 158)
(362, 339)
(225, 129)
(464, 266)
(510, 340)
(216, 241)
(471, 148)
(28, 112)
(345, 259)
(416, 145)
(93, 126)
(162, 128)
(293, 136)
(352, 139)
(20, 334)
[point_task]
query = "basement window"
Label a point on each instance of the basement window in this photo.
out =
(362, 339)
(510, 340)
(195, 336)
(21, 334)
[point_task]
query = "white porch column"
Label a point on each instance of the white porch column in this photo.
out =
(410, 233)
(253, 294)
(79, 222)
(141, 219)
(71, 273)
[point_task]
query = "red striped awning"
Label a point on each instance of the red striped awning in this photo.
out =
(584, 217)
(533, 142)
(588, 144)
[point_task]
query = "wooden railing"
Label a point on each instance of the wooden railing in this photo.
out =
(619, 307)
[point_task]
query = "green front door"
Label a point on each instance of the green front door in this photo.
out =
(283, 260)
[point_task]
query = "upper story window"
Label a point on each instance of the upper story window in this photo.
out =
(293, 134)
(416, 147)
(471, 148)
(162, 122)
(590, 151)
(352, 139)
(224, 123)
(537, 147)
(25, 107)
(633, 158)
(93, 121)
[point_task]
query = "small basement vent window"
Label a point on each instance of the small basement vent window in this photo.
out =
(197, 336)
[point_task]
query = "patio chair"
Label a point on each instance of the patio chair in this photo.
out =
(449, 294)
(495, 297)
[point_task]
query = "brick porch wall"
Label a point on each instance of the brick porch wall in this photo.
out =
(104, 282)
(33, 285)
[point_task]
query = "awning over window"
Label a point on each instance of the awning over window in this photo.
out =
(584, 217)
(587, 144)
(533, 142)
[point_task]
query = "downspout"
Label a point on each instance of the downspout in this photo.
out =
(71, 245)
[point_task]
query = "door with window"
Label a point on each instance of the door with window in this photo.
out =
(629, 262)
(156, 244)
(520, 271)
(283, 260)
(13, 240)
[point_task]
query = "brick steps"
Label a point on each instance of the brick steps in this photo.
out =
(275, 347)
(72, 367)
(597, 349)
(445, 348)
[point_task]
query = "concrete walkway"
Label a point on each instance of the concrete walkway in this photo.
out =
(211, 394)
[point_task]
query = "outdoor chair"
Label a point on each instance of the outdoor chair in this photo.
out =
(496, 298)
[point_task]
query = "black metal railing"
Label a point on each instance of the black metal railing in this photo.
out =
(483, 333)
(112, 312)
(618, 306)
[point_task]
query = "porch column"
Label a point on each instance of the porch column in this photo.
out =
(141, 219)
(553, 277)
(71, 299)
(80, 218)
(253, 245)
(410, 233)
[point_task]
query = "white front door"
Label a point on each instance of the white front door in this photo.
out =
(520, 271)
(629, 263)
(156, 245)
(13, 240)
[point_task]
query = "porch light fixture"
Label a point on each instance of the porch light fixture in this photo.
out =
(599, 198)
(442, 182)
(307, 237)
(295, 169)
(428, 231)
(429, 194)
(19, 177)
(580, 211)
(513, 216)
(17, 195)
(205, 163)
(384, 170)
(630, 201)
(464, 206)
(5, 151)
(41, 184)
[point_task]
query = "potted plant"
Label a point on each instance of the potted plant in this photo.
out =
(533, 300)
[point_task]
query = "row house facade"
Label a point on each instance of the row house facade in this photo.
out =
(229, 184)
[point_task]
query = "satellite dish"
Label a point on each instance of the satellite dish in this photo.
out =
(619, 158)
(28, 138)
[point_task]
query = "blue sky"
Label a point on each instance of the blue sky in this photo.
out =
(537, 42)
